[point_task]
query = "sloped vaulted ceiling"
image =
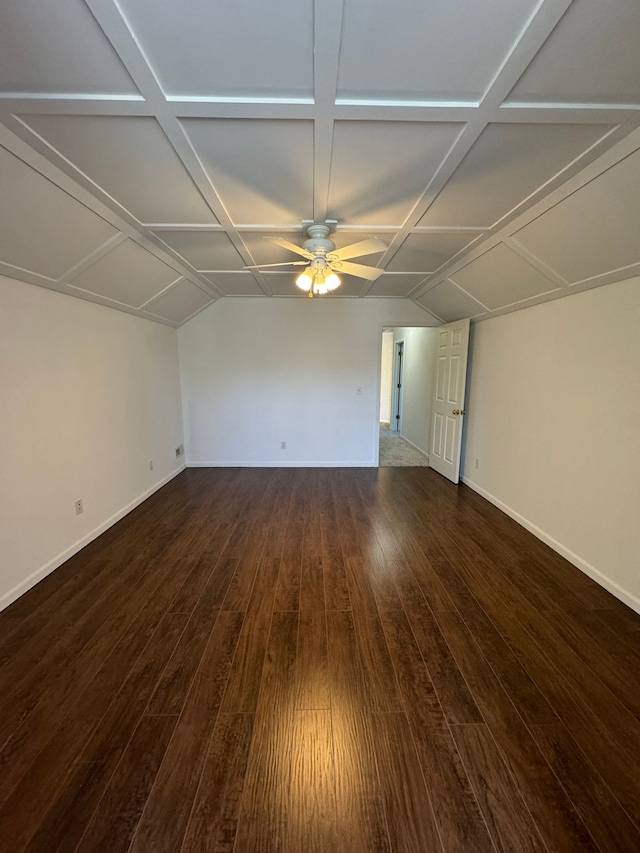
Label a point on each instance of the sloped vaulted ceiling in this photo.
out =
(147, 147)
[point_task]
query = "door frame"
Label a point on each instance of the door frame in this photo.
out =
(397, 398)
(382, 325)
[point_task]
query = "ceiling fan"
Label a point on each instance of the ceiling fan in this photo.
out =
(323, 260)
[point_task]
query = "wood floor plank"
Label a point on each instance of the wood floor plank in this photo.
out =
(336, 588)
(83, 689)
(594, 733)
(514, 679)
(312, 662)
(381, 575)
(457, 815)
(173, 685)
(116, 817)
(50, 783)
(195, 581)
(583, 680)
(416, 687)
(601, 812)
(595, 736)
(289, 577)
(408, 808)
(164, 820)
(361, 819)
(241, 695)
(214, 820)
(312, 824)
(377, 668)
(505, 810)
(246, 547)
(76, 644)
(311, 583)
(612, 667)
(268, 796)
(415, 578)
(455, 697)
(555, 816)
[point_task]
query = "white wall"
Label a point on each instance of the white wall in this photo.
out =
(554, 421)
(418, 365)
(88, 396)
(258, 372)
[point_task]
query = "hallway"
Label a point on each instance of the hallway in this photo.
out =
(397, 452)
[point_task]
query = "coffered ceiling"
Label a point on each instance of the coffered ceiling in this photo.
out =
(148, 147)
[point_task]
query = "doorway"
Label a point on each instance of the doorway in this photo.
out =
(406, 371)
(425, 404)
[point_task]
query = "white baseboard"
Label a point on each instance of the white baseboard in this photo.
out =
(280, 464)
(53, 564)
(599, 577)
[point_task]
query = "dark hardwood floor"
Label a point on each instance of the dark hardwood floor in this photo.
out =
(350, 660)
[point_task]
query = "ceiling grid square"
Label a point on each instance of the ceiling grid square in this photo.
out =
(150, 155)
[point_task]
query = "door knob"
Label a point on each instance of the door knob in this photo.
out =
(458, 412)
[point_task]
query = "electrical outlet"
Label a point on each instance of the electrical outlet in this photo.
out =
(477, 462)
(358, 390)
(283, 445)
(179, 450)
(79, 507)
(151, 464)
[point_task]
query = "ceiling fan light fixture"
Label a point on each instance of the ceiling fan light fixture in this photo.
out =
(304, 280)
(318, 279)
(332, 281)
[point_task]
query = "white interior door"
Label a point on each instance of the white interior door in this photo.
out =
(448, 402)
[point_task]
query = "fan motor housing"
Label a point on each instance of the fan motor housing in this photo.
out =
(318, 242)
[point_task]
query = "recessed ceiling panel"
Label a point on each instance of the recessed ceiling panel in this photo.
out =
(441, 50)
(591, 57)
(500, 277)
(428, 252)
(391, 284)
(42, 229)
(351, 286)
(236, 283)
(232, 49)
(262, 170)
(265, 251)
(283, 284)
(179, 302)
(380, 169)
(57, 47)
(127, 274)
(204, 250)
(449, 303)
(132, 160)
(594, 231)
(506, 165)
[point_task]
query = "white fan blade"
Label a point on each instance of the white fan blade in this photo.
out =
(291, 247)
(283, 264)
(362, 271)
(355, 250)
